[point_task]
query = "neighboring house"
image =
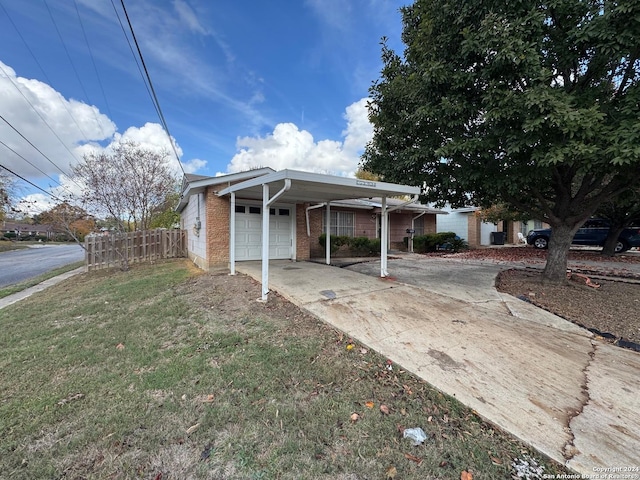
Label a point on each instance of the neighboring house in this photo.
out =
(467, 225)
(27, 230)
(215, 209)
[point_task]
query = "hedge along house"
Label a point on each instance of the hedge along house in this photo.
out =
(265, 214)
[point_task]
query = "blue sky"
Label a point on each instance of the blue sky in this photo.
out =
(241, 83)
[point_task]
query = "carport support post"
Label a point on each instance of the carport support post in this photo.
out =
(327, 244)
(232, 235)
(265, 241)
(384, 235)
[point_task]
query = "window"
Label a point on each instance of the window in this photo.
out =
(418, 226)
(283, 212)
(254, 210)
(342, 223)
(240, 209)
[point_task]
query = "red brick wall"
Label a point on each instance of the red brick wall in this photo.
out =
(217, 230)
(302, 240)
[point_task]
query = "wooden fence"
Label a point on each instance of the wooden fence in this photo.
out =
(122, 249)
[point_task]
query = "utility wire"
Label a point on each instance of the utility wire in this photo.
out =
(73, 66)
(34, 166)
(38, 150)
(46, 77)
(93, 61)
(31, 183)
(153, 92)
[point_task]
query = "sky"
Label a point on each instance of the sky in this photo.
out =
(241, 84)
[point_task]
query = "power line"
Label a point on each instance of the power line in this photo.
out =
(73, 66)
(31, 183)
(34, 166)
(44, 73)
(93, 61)
(153, 92)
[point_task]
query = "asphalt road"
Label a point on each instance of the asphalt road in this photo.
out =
(20, 265)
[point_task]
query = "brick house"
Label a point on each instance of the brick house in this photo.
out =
(215, 210)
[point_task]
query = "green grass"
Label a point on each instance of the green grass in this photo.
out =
(163, 370)
(18, 287)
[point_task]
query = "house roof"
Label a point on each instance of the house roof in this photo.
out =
(306, 187)
(199, 183)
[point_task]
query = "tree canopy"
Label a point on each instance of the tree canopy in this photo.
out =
(129, 184)
(534, 104)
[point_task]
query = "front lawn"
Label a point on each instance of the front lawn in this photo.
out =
(165, 372)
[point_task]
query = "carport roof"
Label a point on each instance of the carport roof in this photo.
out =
(309, 187)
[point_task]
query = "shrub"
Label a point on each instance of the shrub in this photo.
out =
(357, 246)
(438, 241)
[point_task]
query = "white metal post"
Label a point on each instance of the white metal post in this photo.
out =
(328, 234)
(265, 242)
(384, 235)
(232, 235)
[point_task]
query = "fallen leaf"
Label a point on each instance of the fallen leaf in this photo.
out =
(384, 409)
(192, 428)
(350, 346)
(496, 461)
(466, 475)
(391, 473)
(158, 476)
(120, 346)
(403, 411)
(369, 404)
(209, 398)
(413, 458)
(355, 417)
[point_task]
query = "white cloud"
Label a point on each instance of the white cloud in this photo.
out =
(194, 165)
(289, 147)
(36, 110)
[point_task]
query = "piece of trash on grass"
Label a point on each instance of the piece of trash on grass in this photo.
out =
(71, 398)
(416, 435)
(350, 346)
(192, 428)
(413, 458)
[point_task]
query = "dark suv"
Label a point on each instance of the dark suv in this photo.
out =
(593, 232)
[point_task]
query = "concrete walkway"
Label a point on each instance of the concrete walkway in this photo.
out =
(545, 380)
(27, 292)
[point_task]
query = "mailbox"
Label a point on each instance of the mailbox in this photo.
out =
(411, 230)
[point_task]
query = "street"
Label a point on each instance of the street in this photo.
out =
(19, 265)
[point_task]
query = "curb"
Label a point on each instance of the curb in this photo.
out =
(16, 297)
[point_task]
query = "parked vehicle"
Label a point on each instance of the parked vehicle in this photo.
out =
(594, 232)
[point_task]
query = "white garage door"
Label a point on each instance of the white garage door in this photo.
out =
(249, 232)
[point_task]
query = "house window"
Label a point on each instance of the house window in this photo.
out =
(342, 223)
(240, 208)
(283, 212)
(254, 210)
(418, 225)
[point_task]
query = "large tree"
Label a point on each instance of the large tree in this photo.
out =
(532, 104)
(128, 184)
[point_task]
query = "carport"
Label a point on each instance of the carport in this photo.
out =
(318, 190)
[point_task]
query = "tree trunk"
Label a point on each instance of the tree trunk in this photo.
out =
(555, 271)
(610, 243)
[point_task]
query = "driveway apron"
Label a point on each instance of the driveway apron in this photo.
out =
(535, 375)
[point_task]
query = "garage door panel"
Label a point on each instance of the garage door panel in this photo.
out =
(249, 235)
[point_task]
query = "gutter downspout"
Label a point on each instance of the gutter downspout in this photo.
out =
(328, 235)
(320, 205)
(266, 201)
(413, 228)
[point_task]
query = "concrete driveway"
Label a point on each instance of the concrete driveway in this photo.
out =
(545, 380)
